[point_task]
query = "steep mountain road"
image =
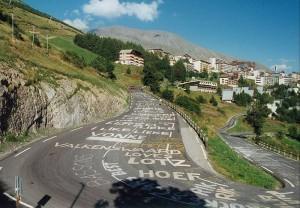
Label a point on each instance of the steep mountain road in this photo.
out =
(137, 159)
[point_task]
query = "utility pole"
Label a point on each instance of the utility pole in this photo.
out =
(47, 44)
(12, 27)
(33, 32)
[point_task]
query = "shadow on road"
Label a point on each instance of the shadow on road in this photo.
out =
(43, 201)
(5, 202)
(78, 195)
(148, 193)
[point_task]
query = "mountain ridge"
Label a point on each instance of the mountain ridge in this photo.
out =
(167, 41)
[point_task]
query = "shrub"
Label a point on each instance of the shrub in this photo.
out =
(187, 89)
(221, 111)
(242, 99)
(294, 133)
(37, 41)
(99, 63)
(213, 101)
(128, 71)
(168, 95)
(154, 87)
(188, 104)
(75, 59)
(200, 99)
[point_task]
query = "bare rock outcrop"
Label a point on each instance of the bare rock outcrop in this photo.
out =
(28, 107)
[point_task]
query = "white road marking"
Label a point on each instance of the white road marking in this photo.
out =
(267, 169)
(197, 139)
(210, 166)
(213, 182)
(93, 128)
(110, 149)
(76, 129)
(289, 182)
(14, 199)
(167, 147)
(22, 152)
(109, 139)
(203, 152)
(1, 168)
(49, 139)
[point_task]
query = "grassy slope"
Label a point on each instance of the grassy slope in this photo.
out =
(52, 66)
(132, 79)
(241, 126)
(66, 44)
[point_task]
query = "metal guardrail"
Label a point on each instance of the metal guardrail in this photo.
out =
(279, 151)
(197, 129)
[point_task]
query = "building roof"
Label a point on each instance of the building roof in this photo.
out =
(227, 95)
(205, 61)
(132, 51)
(238, 90)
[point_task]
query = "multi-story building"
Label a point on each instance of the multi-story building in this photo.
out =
(231, 81)
(131, 57)
(296, 77)
(205, 66)
(224, 79)
(197, 65)
(159, 52)
(285, 80)
(200, 85)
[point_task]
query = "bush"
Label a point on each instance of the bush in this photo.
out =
(187, 89)
(37, 41)
(154, 87)
(213, 101)
(221, 111)
(188, 104)
(128, 71)
(200, 99)
(294, 133)
(242, 99)
(99, 63)
(280, 135)
(75, 59)
(168, 95)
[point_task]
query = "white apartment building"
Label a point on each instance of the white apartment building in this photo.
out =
(197, 65)
(131, 57)
(285, 80)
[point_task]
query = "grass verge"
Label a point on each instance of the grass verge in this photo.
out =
(230, 164)
(241, 126)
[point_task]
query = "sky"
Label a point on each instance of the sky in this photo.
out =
(266, 31)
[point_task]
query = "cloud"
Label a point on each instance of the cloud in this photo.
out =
(114, 8)
(75, 12)
(280, 67)
(78, 23)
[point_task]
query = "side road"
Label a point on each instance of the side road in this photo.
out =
(287, 170)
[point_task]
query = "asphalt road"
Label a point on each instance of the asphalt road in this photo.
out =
(137, 159)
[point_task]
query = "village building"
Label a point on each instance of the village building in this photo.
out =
(131, 57)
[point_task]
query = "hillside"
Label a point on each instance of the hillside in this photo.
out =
(165, 40)
(41, 90)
